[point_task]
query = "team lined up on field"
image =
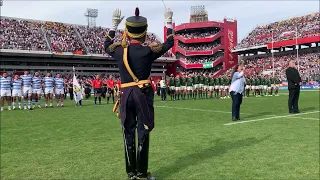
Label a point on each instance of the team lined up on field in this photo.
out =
(205, 86)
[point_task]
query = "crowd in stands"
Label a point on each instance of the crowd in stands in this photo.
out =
(196, 35)
(304, 26)
(21, 34)
(309, 65)
(201, 59)
(198, 47)
(37, 35)
(63, 37)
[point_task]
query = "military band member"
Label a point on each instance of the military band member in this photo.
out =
(135, 60)
(172, 87)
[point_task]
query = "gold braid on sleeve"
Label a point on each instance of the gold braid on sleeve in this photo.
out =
(157, 48)
(113, 46)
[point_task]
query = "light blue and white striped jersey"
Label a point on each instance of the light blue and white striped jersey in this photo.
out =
(16, 84)
(5, 83)
(36, 82)
(59, 82)
(48, 82)
(26, 80)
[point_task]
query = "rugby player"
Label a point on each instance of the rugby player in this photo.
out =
(201, 84)
(183, 86)
(59, 89)
(5, 90)
(212, 82)
(16, 91)
(195, 85)
(177, 88)
(205, 86)
(248, 87)
(48, 89)
(36, 89)
(217, 86)
(26, 89)
(269, 88)
(172, 87)
(189, 86)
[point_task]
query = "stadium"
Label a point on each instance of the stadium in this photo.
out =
(194, 137)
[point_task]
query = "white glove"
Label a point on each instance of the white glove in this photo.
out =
(168, 16)
(116, 19)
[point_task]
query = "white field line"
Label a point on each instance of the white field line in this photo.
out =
(203, 110)
(317, 119)
(275, 117)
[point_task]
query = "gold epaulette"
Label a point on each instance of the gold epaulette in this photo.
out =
(156, 48)
(113, 46)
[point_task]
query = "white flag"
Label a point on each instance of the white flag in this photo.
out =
(77, 90)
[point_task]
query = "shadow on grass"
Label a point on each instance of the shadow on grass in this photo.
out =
(219, 148)
(257, 114)
(308, 109)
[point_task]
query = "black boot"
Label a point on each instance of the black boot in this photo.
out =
(142, 158)
(130, 156)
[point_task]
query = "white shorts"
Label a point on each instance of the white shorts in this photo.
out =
(205, 87)
(37, 91)
(201, 85)
(261, 86)
(216, 87)
(247, 87)
(253, 87)
(172, 88)
(226, 87)
(5, 92)
(183, 88)
(269, 88)
(59, 91)
(16, 92)
(178, 88)
(196, 86)
(221, 87)
(189, 88)
(48, 91)
(265, 87)
(211, 88)
(27, 91)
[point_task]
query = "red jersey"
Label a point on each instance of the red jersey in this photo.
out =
(119, 83)
(97, 83)
(110, 83)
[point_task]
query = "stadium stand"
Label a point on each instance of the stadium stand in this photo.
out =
(305, 26)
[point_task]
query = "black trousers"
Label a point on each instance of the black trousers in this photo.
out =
(293, 100)
(163, 94)
(236, 102)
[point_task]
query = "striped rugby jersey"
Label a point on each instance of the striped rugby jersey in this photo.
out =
(26, 80)
(59, 83)
(5, 83)
(36, 82)
(48, 82)
(16, 84)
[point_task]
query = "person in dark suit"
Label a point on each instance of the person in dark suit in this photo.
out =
(134, 58)
(294, 83)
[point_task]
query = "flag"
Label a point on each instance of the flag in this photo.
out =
(207, 65)
(77, 92)
(287, 33)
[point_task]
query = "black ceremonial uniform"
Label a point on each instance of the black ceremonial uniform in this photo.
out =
(137, 96)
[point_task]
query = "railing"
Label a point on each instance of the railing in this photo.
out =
(44, 33)
(80, 38)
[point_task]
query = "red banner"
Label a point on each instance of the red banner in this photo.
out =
(293, 42)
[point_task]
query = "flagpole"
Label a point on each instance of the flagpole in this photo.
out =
(297, 47)
(272, 53)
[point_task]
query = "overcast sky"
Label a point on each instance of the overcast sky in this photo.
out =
(248, 13)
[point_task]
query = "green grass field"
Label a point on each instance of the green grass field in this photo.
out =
(191, 140)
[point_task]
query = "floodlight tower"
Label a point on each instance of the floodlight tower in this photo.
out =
(198, 14)
(91, 15)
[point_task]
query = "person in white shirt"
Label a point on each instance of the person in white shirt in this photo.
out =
(163, 88)
(236, 91)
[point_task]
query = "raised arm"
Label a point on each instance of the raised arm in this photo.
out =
(168, 44)
(116, 20)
